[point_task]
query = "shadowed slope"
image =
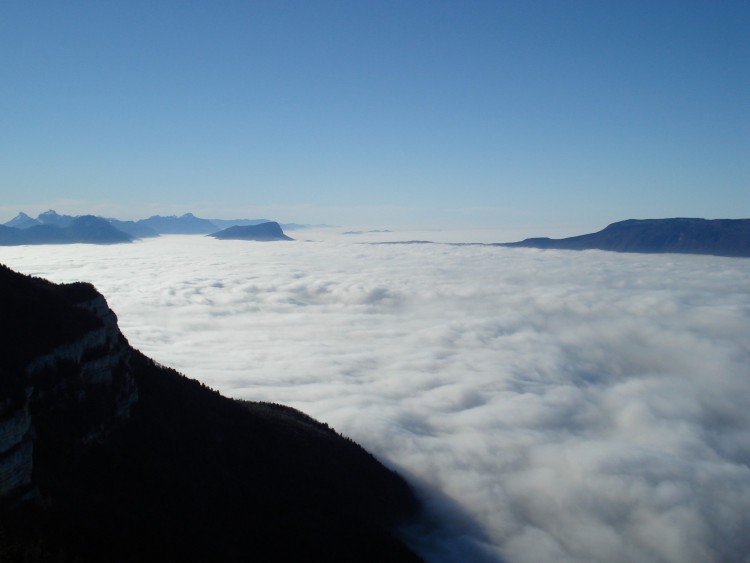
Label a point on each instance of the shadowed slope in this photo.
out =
(107, 456)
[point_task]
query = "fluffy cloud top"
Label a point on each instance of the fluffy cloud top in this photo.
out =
(549, 405)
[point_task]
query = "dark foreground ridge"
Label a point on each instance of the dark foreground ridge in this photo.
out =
(719, 237)
(107, 456)
(264, 232)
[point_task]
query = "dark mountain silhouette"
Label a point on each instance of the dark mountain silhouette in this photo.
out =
(719, 237)
(264, 232)
(85, 229)
(108, 456)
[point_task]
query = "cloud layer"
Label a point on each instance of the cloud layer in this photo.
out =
(566, 406)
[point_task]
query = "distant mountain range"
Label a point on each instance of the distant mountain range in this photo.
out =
(52, 228)
(83, 229)
(106, 455)
(718, 237)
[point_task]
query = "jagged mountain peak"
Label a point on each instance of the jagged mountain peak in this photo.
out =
(51, 217)
(22, 221)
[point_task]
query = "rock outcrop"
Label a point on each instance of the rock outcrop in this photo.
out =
(55, 378)
(107, 456)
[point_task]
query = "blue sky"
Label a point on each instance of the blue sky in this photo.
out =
(377, 113)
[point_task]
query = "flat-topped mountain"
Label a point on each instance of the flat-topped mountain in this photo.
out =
(226, 223)
(719, 237)
(264, 232)
(107, 456)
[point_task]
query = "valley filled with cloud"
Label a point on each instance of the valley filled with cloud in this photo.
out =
(547, 405)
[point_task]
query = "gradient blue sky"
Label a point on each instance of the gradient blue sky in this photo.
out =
(377, 113)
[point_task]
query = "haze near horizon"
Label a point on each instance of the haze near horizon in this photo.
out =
(422, 114)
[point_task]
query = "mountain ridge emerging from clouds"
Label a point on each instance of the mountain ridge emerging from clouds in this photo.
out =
(52, 228)
(84, 229)
(107, 456)
(719, 237)
(716, 237)
(264, 232)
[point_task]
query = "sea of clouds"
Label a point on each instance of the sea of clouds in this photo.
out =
(547, 405)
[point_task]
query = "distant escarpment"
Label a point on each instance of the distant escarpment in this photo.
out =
(107, 456)
(264, 232)
(719, 237)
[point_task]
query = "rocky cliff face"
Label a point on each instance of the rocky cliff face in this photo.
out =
(66, 387)
(107, 456)
(16, 450)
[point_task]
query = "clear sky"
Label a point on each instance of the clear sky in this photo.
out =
(380, 113)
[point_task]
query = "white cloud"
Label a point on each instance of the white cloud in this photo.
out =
(549, 405)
